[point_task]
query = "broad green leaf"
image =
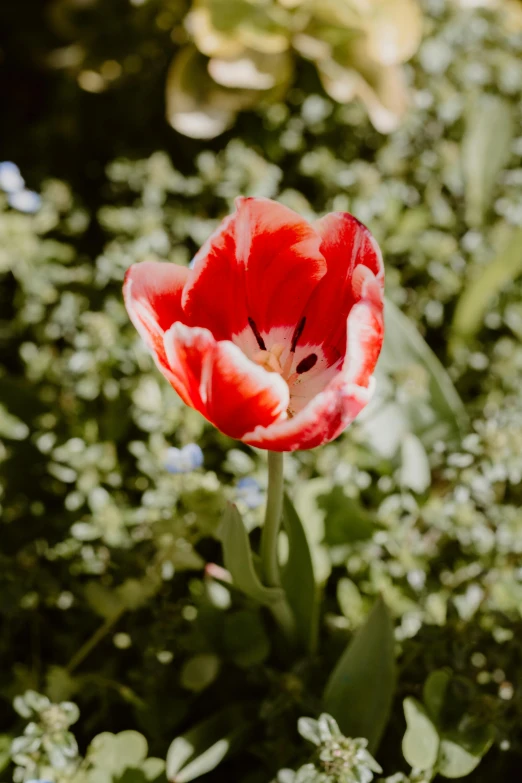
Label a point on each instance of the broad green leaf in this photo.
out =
(153, 768)
(459, 755)
(434, 692)
(420, 745)
(486, 148)
(298, 579)
(359, 691)
(238, 560)
(404, 347)
(502, 270)
(115, 753)
(201, 749)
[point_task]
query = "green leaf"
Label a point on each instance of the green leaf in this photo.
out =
(199, 671)
(486, 148)
(350, 601)
(308, 728)
(107, 603)
(346, 520)
(114, 753)
(60, 684)
(238, 560)
(201, 749)
(473, 304)
(404, 346)
(153, 768)
(298, 579)
(420, 745)
(434, 692)
(245, 638)
(5, 750)
(359, 691)
(461, 754)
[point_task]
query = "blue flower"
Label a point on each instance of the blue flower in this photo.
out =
(250, 492)
(25, 201)
(183, 460)
(11, 180)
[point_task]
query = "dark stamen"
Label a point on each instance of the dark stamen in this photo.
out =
(306, 364)
(258, 337)
(297, 333)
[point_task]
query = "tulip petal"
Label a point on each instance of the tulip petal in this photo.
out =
(332, 410)
(355, 271)
(218, 380)
(260, 266)
(152, 293)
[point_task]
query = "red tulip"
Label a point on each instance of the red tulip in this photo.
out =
(274, 333)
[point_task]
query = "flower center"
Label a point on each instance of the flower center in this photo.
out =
(270, 359)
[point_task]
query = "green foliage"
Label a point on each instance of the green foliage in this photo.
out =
(243, 53)
(360, 689)
(434, 741)
(206, 745)
(298, 579)
(238, 560)
(120, 757)
(112, 590)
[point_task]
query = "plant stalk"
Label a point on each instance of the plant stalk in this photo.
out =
(281, 611)
(274, 509)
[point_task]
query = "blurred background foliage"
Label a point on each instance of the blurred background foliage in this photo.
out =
(135, 123)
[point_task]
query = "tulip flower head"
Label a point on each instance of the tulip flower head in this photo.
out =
(274, 333)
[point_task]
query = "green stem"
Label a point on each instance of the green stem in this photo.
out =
(274, 509)
(93, 640)
(269, 539)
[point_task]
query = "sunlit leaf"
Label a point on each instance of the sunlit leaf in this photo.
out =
(420, 745)
(459, 755)
(404, 347)
(381, 88)
(486, 148)
(196, 106)
(201, 749)
(474, 302)
(115, 753)
(394, 31)
(252, 70)
(238, 560)
(359, 692)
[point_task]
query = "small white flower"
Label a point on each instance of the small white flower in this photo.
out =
(183, 460)
(250, 492)
(11, 180)
(25, 201)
